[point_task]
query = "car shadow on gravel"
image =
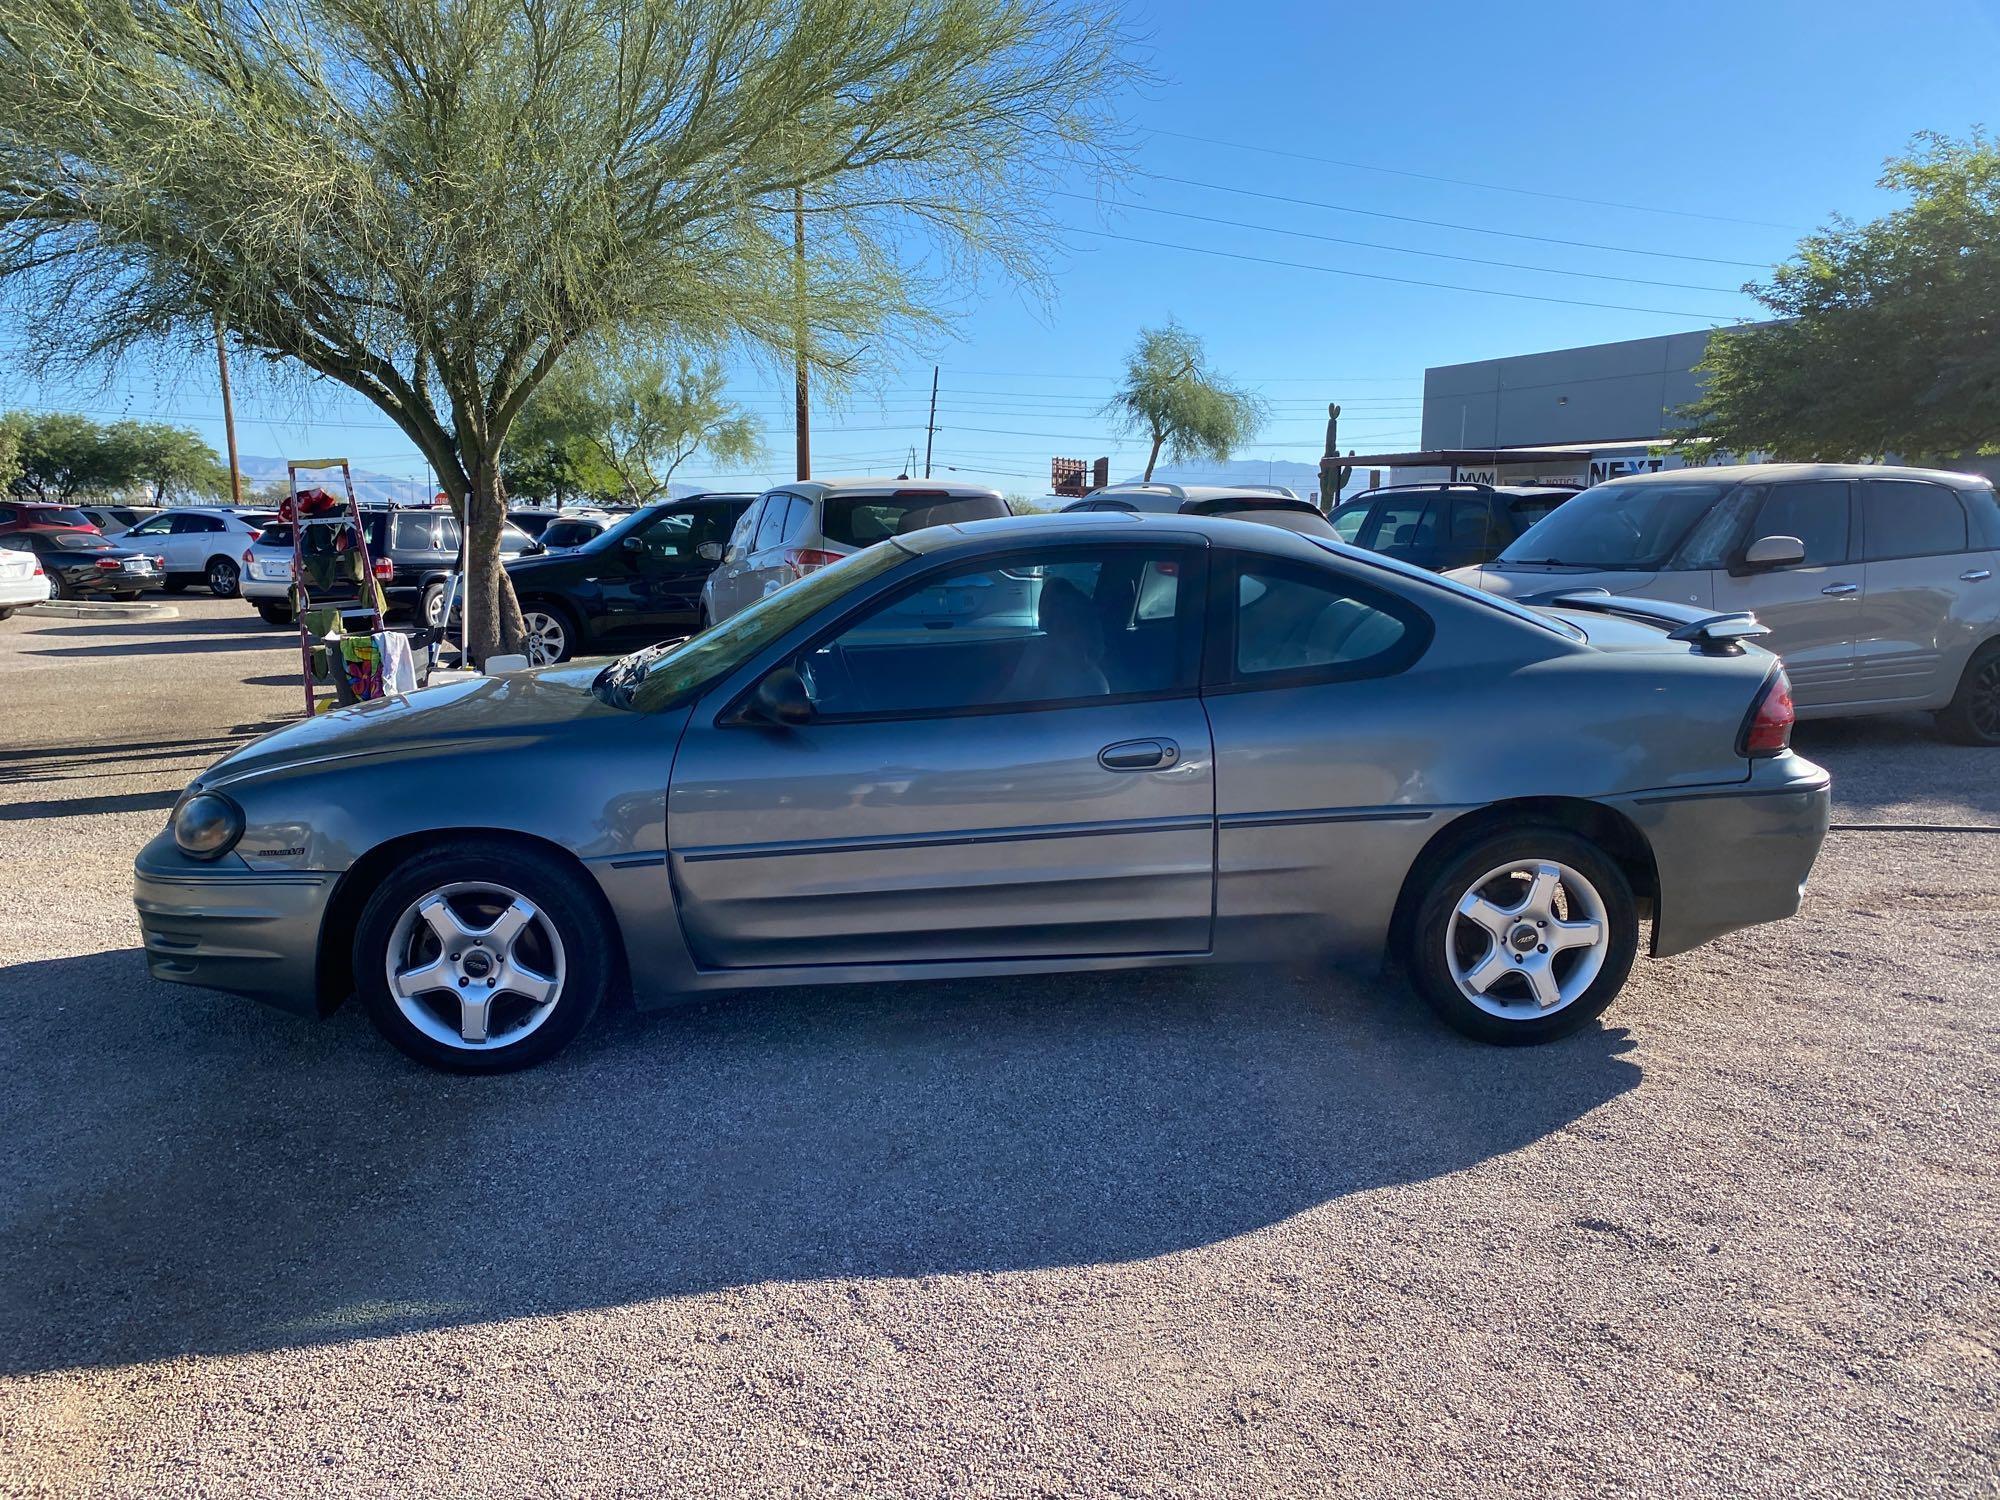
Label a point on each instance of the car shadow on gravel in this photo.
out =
(188, 1173)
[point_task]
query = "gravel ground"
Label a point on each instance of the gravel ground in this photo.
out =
(1178, 1233)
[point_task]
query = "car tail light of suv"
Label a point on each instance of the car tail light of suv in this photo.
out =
(384, 568)
(800, 561)
(1768, 731)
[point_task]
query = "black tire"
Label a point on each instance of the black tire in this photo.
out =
(60, 587)
(175, 585)
(276, 614)
(564, 620)
(430, 609)
(560, 894)
(7, 613)
(1973, 715)
(1430, 968)
(224, 577)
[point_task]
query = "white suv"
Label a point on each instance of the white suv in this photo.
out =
(200, 544)
(793, 529)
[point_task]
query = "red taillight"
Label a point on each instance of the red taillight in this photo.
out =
(246, 557)
(384, 568)
(108, 562)
(802, 560)
(1769, 731)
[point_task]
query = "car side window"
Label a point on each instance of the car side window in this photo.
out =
(7, 514)
(416, 533)
(746, 526)
(772, 523)
(1472, 523)
(153, 526)
(1295, 623)
(1909, 518)
(1346, 521)
(1051, 626)
(1401, 521)
(1816, 512)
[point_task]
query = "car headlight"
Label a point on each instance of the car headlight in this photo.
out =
(207, 825)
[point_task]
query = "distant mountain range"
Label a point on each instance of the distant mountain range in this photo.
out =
(372, 488)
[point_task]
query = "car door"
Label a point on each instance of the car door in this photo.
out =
(764, 569)
(725, 588)
(1813, 608)
(1925, 588)
(1007, 759)
(1316, 745)
(155, 535)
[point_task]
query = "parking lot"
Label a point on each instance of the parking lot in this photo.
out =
(1177, 1232)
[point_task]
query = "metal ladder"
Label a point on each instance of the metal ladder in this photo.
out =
(369, 591)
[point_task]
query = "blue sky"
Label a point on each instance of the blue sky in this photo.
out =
(1763, 115)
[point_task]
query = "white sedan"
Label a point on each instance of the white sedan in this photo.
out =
(22, 581)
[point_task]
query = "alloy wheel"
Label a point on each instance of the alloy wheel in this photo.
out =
(1983, 701)
(222, 578)
(475, 966)
(1527, 939)
(547, 639)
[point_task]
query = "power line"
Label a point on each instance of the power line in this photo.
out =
(1508, 234)
(1299, 265)
(1476, 260)
(1494, 187)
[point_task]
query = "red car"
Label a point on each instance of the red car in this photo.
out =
(39, 515)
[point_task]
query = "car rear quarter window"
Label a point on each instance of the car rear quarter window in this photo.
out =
(1398, 522)
(1816, 512)
(416, 533)
(1291, 623)
(1909, 518)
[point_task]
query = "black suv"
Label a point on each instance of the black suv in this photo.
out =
(636, 583)
(1440, 526)
(420, 548)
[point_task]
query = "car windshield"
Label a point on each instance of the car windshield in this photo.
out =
(658, 676)
(862, 520)
(1616, 526)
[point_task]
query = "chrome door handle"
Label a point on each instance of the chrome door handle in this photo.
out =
(1841, 588)
(1139, 755)
(1976, 575)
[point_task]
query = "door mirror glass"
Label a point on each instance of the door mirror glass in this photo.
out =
(781, 698)
(1774, 552)
(635, 544)
(709, 551)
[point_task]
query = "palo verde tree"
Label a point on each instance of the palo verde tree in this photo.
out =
(432, 202)
(1171, 397)
(1889, 339)
(621, 427)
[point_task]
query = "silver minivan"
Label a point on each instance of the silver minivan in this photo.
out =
(796, 528)
(1878, 583)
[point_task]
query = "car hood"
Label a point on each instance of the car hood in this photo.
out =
(480, 714)
(1519, 580)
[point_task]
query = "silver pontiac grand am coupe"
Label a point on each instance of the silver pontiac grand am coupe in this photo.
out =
(1012, 747)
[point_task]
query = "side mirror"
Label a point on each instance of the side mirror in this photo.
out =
(781, 698)
(533, 549)
(709, 552)
(634, 544)
(1774, 552)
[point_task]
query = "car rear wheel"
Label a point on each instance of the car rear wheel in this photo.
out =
(276, 614)
(551, 635)
(1525, 937)
(223, 577)
(1973, 716)
(60, 587)
(482, 957)
(432, 608)
(175, 585)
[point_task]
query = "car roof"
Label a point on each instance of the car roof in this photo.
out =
(820, 488)
(1115, 525)
(1743, 473)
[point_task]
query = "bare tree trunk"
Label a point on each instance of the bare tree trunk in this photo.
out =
(495, 615)
(1153, 457)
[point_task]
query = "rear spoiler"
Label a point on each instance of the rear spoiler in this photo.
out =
(1709, 633)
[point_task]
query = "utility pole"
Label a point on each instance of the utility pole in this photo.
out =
(930, 430)
(801, 416)
(228, 414)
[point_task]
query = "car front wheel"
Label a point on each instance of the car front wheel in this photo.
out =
(481, 957)
(551, 636)
(1525, 937)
